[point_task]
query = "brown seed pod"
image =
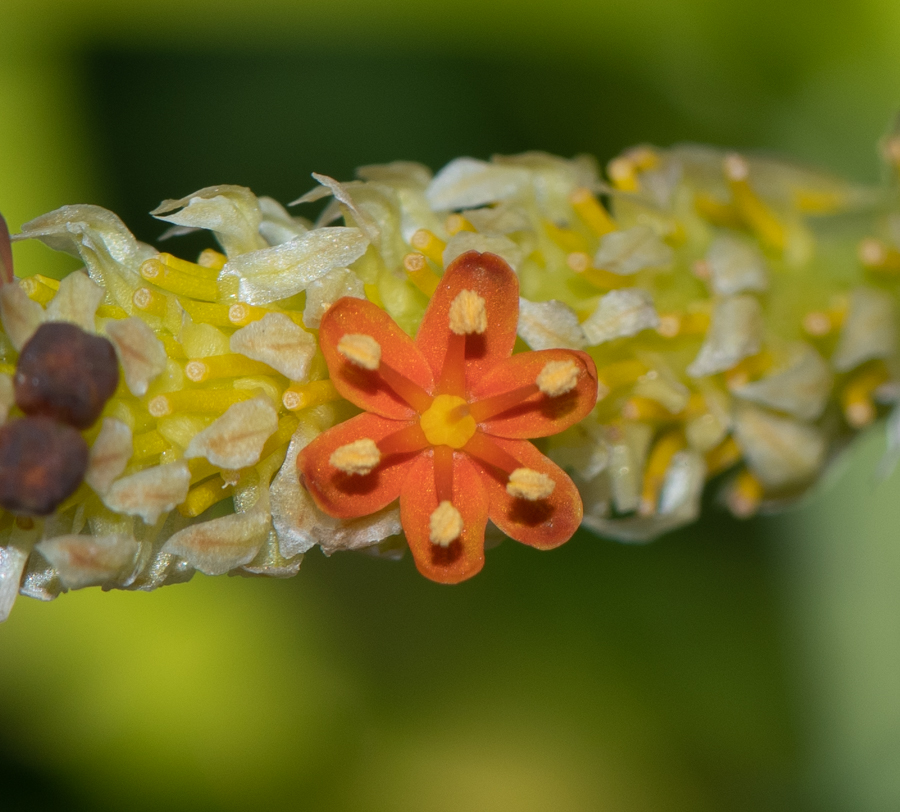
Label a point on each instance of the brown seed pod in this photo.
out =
(42, 462)
(66, 373)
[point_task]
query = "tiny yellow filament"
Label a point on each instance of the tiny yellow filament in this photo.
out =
(212, 259)
(38, 288)
(149, 444)
(203, 401)
(665, 448)
(430, 245)
(592, 212)
(565, 238)
(420, 274)
(745, 495)
(203, 496)
(456, 223)
(208, 313)
(181, 284)
(856, 396)
(190, 268)
(231, 365)
(150, 301)
(304, 395)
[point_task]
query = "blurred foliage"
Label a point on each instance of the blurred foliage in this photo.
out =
(697, 673)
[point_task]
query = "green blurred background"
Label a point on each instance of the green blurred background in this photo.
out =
(729, 666)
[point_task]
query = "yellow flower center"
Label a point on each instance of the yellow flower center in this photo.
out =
(448, 422)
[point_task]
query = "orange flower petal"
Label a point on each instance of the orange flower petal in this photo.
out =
(348, 496)
(538, 415)
(545, 523)
(464, 557)
(490, 277)
(362, 387)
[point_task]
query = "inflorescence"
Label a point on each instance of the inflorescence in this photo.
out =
(696, 317)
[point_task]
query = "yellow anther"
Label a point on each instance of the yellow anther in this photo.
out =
(525, 483)
(468, 313)
(190, 268)
(878, 257)
(856, 396)
(723, 456)
(360, 457)
(583, 265)
(420, 274)
(38, 288)
(445, 524)
(149, 444)
(430, 245)
(202, 401)
(748, 369)
(231, 365)
(558, 377)
(623, 174)
(181, 284)
(592, 212)
(207, 313)
(744, 495)
(621, 373)
(150, 301)
(303, 395)
(172, 347)
(212, 259)
(203, 496)
(565, 238)
(448, 422)
(664, 449)
(757, 216)
(456, 223)
(360, 349)
(111, 312)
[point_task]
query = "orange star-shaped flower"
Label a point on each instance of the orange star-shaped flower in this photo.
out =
(447, 421)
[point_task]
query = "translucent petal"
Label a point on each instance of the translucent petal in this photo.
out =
(76, 301)
(801, 386)
(736, 265)
(735, 333)
(232, 213)
(324, 292)
(279, 342)
(869, 331)
(465, 241)
(236, 439)
(620, 313)
(629, 251)
(277, 225)
(781, 451)
(12, 567)
(109, 454)
(141, 353)
(500, 219)
(549, 325)
(276, 273)
(83, 561)
(628, 446)
(465, 183)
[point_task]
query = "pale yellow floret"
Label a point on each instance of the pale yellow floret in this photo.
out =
(359, 457)
(558, 377)
(445, 524)
(525, 483)
(360, 349)
(468, 313)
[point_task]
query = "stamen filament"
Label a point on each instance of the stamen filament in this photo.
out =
(404, 441)
(482, 448)
(878, 257)
(565, 238)
(589, 209)
(203, 401)
(758, 217)
(231, 365)
(190, 268)
(207, 313)
(38, 289)
(210, 258)
(745, 495)
(723, 456)
(303, 395)
(583, 265)
(149, 444)
(430, 245)
(420, 274)
(482, 410)
(443, 473)
(203, 496)
(456, 223)
(665, 448)
(181, 284)
(856, 396)
(151, 301)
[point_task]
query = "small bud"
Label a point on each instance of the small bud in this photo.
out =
(42, 462)
(66, 373)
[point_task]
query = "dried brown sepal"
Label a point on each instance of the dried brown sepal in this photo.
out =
(42, 462)
(66, 373)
